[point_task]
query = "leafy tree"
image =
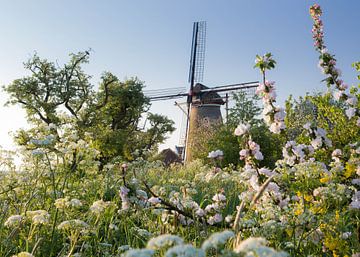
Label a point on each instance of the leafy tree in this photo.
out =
(324, 112)
(62, 96)
(221, 136)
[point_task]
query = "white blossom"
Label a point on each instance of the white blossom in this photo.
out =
(184, 251)
(242, 129)
(217, 240)
(13, 220)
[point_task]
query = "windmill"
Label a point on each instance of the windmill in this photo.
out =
(202, 102)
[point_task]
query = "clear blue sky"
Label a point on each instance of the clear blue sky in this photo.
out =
(152, 40)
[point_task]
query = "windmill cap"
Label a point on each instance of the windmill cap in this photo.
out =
(208, 97)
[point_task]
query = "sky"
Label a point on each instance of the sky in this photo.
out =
(152, 41)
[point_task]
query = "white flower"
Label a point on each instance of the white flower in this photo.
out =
(154, 200)
(258, 155)
(37, 152)
(356, 181)
(99, 206)
(61, 203)
(307, 126)
(266, 172)
(346, 235)
(13, 220)
(350, 112)
(336, 153)
(316, 143)
(212, 155)
(352, 100)
(113, 227)
(355, 204)
(218, 218)
(200, 212)
(280, 114)
(39, 216)
(216, 154)
(217, 240)
(219, 198)
(73, 225)
(219, 153)
(338, 95)
(250, 244)
(74, 203)
(185, 251)
(242, 129)
(23, 254)
(228, 218)
(276, 127)
(243, 154)
(164, 241)
(141, 194)
(138, 253)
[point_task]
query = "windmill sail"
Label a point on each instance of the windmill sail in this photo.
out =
(203, 103)
(197, 59)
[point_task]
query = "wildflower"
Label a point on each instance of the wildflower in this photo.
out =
(138, 253)
(124, 248)
(218, 218)
(346, 235)
(185, 251)
(76, 203)
(219, 198)
(39, 216)
(154, 200)
(200, 212)
(37, 152)
(23, 254)
(356, 181)
(355, 204)
(216, 154)
(141, 194)
(61, 203)
(336, 154)
(243, 154)
(217, 240)
(99, 206)
(350, 112)
(258, 155)
(73, 224)
(352, 100)
(229, 218)
(250, 244)
(242, 129)
(164, 241)
(113, 227)
(266, 172)
(13, 220)
(124, 191)
(256, 246)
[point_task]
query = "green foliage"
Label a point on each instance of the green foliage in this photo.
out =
(221, 136)
(108, 118)
(265, 62)
(324, 112)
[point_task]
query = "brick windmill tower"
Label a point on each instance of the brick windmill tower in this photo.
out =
(203, 104)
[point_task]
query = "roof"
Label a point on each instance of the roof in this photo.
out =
(208, 97)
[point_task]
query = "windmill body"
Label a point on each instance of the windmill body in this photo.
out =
(204, 113)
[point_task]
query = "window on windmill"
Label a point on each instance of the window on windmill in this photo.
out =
(206, 122)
